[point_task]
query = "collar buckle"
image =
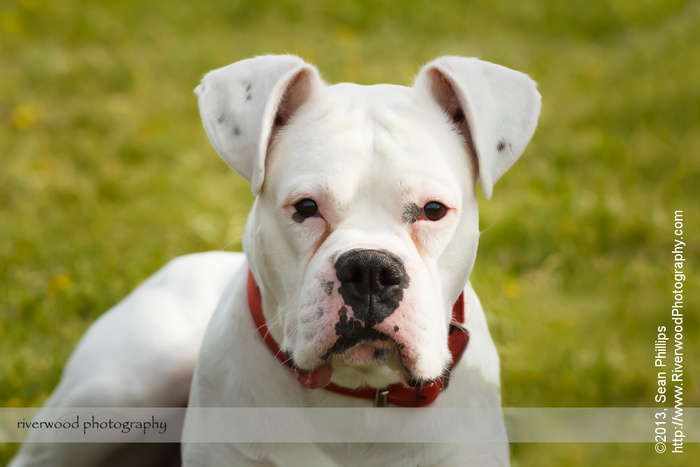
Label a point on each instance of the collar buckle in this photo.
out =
(380, 398)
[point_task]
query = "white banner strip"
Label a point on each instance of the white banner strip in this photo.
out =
(348, 425)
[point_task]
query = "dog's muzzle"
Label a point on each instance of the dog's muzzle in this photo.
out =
(372, 284)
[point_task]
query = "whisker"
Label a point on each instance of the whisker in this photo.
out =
(229, 243)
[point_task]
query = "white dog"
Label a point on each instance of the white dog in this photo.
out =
(358, 252)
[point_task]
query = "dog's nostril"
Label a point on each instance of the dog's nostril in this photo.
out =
(357, 276)
(372, 278)
(350, 274)
(389, 277)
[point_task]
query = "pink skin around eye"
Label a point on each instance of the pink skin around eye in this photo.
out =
(298, 211)
(426, 221)
(438, 211)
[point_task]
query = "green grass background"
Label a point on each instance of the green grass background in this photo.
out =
(106, 173)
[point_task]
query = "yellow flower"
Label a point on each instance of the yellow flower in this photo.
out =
(59, 284)
(512, 289)
(25, 116)
(15, 402)
(10, 23)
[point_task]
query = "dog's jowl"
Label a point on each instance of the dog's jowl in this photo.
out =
(353, 289)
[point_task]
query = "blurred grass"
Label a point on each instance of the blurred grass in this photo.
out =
(106, 174)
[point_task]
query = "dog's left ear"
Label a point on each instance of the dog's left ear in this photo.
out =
(494, 108)
(245, 104)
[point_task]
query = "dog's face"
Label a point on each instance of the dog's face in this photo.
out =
(368, 198)
(365, 227)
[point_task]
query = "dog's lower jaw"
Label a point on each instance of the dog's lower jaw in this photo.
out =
(363, 365)
(372, 375)
(341, 371)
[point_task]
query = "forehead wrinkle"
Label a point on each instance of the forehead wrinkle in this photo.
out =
(358, 140)
(310, 186)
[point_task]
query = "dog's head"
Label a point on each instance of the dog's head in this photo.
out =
(365, 227)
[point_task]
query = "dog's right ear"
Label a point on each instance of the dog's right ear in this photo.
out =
(244, 104)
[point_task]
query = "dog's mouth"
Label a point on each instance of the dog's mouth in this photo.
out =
(365, 351)
(365, 355)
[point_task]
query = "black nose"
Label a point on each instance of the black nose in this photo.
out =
(371, 283)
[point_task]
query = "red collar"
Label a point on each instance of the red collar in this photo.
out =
(395, 394)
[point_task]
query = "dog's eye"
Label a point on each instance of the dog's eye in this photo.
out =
(434, 211)
(305, 208)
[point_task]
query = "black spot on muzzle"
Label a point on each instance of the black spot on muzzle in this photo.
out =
(371, 283)
(351, 331)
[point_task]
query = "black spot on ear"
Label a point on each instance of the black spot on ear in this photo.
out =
(411, 213)
(501, 145)
(458, 116)
(279, 120)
